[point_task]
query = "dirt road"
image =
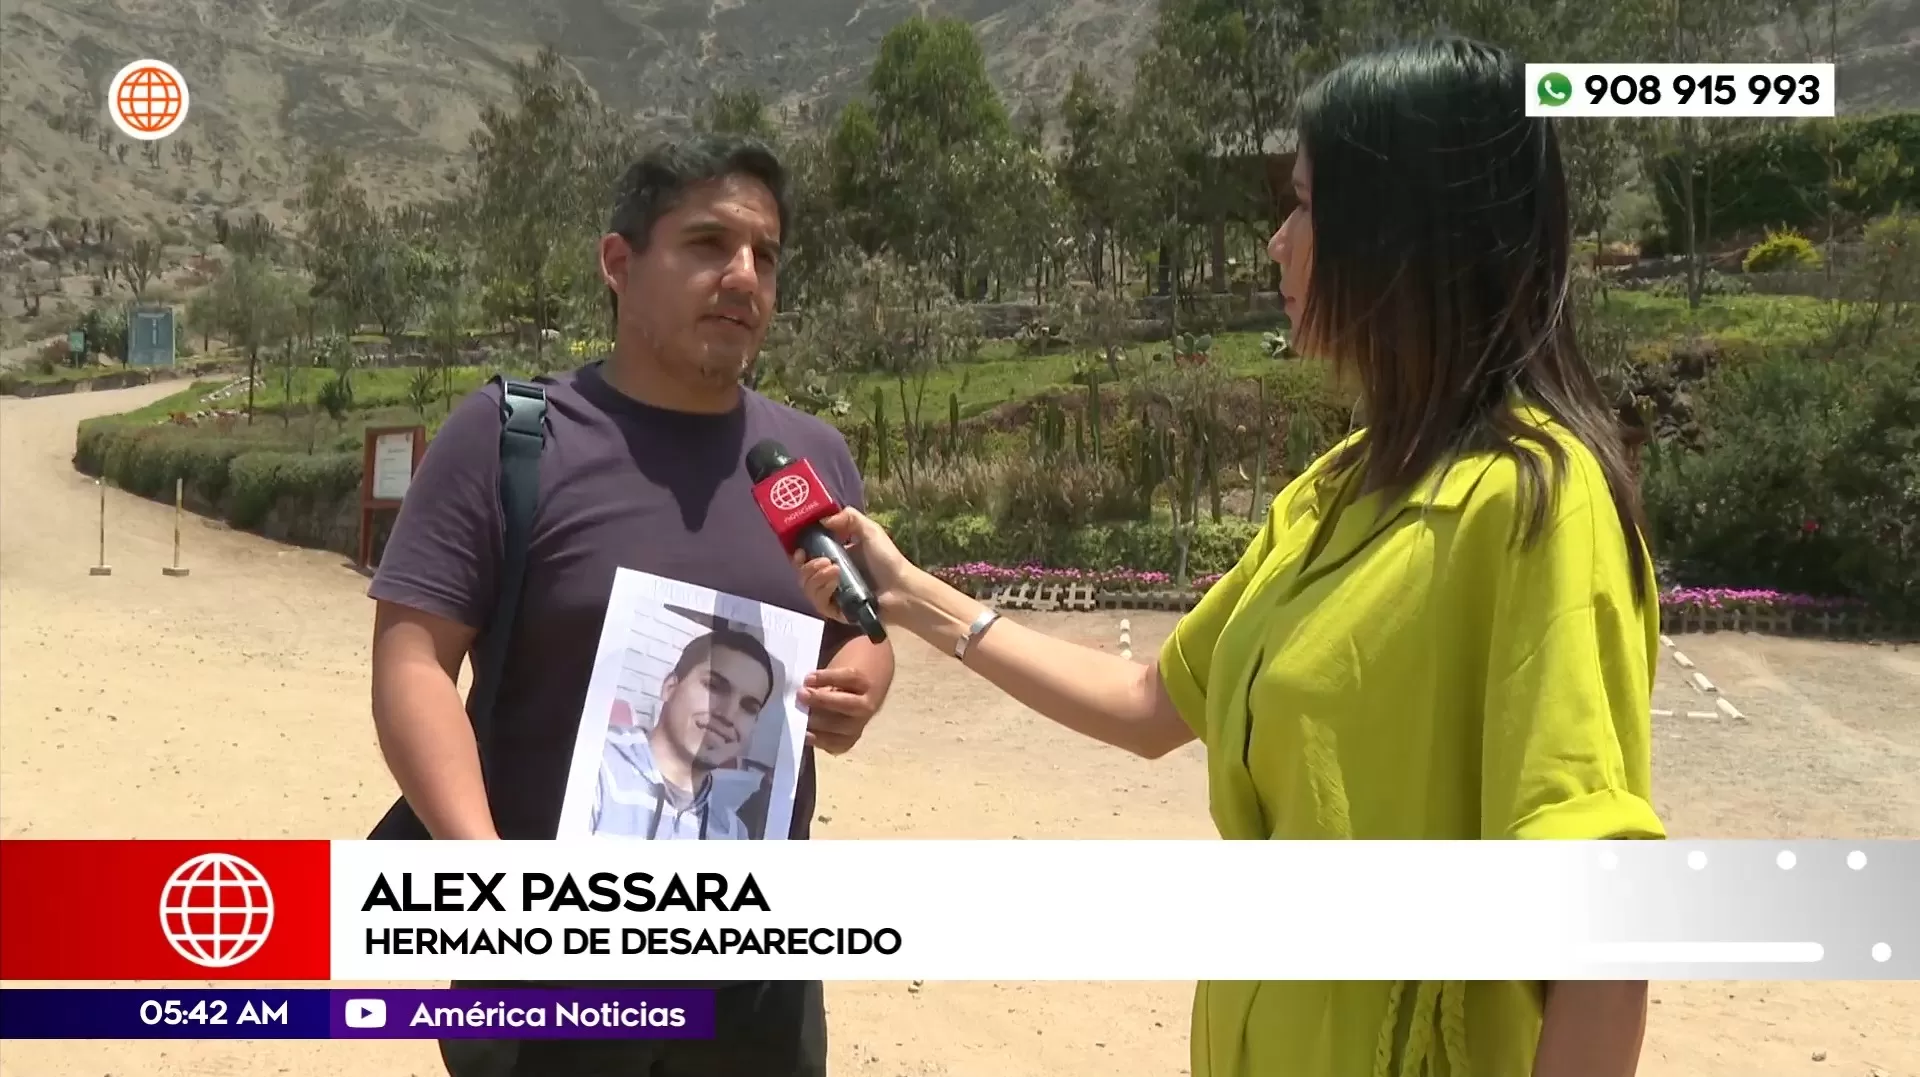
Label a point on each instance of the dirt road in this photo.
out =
(233, 703)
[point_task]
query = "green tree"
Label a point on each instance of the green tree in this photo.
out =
(820, 236)
(1676, 149)
(545, 166)
(1092, 174)
(1171, 164)
(939, 132)
(339, 225)
(738, 111)
(254, 304)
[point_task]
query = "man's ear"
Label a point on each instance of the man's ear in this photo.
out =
(615, 253)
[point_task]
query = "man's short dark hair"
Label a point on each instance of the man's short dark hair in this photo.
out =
(653, 185)
(701, 648)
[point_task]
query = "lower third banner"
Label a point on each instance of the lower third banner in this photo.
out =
(619, 912)
(307, 1014)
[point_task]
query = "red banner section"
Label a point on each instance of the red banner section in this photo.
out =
(164, 910)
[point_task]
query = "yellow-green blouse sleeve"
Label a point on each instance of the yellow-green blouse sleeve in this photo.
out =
(1566, 744)
(1187, 656)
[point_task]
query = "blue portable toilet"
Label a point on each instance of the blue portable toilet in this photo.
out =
(150, 337)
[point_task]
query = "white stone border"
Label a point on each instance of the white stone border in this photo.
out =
(1698, 682)
(1126, 638)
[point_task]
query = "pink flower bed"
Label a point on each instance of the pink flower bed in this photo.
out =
(979, 574)
(1722, 598)
(982, 574)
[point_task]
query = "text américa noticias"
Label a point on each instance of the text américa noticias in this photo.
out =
(635, 892)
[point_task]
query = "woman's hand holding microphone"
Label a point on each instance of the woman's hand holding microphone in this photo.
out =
(885, 567)
(1101, 695)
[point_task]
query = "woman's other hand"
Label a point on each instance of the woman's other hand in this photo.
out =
(880, 560)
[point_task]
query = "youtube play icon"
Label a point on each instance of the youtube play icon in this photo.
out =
(366, 1013)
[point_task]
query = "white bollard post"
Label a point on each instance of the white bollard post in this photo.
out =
(102, 568)
(179, 509)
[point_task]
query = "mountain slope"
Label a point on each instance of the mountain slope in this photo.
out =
(400, 83)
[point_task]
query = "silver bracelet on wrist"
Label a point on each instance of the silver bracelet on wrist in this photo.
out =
(975, 631)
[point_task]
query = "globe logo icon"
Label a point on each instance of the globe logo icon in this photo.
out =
(216, 910)
(788, 492)
(147, 100)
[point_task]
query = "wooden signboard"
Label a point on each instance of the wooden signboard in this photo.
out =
(392, 455)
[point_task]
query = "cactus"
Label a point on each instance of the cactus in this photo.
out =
(1191, 482)
(1299, 447)
(1144, 445)
(1093, 410)
(1257, 506)
(1053, 430)
(1210, 470)
(1079, 437)
(863, 443)
(881, 435)
(953, 425)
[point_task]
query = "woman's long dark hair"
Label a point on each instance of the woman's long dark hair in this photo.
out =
(1440, 280)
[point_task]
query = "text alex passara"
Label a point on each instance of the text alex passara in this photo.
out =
(452, 891)
(456, 891)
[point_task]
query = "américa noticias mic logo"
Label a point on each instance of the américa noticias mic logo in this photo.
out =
(148, 100)
(216, 910)
(789, 492)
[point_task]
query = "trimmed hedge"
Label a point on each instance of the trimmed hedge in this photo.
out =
(246, 484)
(240, 481)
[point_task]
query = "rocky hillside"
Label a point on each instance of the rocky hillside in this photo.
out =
(401, 82)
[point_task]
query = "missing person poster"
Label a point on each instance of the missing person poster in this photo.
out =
(692, 728)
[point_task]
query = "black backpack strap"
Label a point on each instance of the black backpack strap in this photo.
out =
(523, 434)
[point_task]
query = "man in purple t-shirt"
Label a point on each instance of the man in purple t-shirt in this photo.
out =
(644, 468)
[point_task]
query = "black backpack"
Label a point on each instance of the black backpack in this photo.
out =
(523, 434)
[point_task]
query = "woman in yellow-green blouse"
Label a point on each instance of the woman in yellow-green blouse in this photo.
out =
(1448, 625)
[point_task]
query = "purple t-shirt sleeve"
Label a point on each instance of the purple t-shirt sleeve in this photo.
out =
(444, 554)
(853, 490)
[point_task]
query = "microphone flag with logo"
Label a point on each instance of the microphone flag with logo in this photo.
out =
(794, 501)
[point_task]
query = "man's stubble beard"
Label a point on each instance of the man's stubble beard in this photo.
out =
(718, 369)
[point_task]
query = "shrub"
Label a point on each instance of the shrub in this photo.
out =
(1782, 250)
(262, 480)
(1712, 283)
(1140, 545)
(1807, 478)
(1037, 499)
(947, 488)
(1780, 175)
(53, 356)
(240, 480)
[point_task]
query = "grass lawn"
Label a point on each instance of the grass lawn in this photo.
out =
(1000, 374)
(373, 387)
(1004, 373)
(313, 431)
(1732, 319)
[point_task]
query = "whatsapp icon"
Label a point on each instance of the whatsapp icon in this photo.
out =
(1555, 89)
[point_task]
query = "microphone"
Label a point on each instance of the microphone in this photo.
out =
(794, 501)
